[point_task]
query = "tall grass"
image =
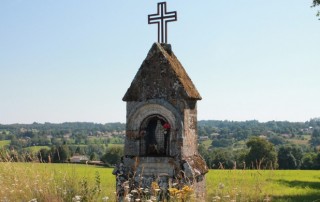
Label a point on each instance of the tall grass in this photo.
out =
(54, 182)
(263, 185)
(68, 182)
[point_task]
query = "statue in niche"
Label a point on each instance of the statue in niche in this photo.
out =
(155, 136)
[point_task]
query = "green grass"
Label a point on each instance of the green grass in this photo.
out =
(4, 143)
(115, 145)
(53, 182)
(19, 180)
(35, 149)
(257, 185)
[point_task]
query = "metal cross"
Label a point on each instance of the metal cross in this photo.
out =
(162, 17)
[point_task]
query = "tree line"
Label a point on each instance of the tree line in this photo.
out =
(228, 144)
(251, 144)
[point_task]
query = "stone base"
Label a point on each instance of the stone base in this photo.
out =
(162, 173)
(156, 166)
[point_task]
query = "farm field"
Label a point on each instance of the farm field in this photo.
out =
(4, 143)
(35, 149)
(62, 182)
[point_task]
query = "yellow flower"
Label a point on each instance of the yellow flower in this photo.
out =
(154, 185)
(173, 191)
(187, 189)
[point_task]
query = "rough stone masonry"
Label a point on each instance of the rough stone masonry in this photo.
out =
(161, 144)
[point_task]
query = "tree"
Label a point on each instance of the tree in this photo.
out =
(277, 140)
(315, 138)
(308, 161)
(222, 142)
(43, 155)
(94, 157)
(316, 3)
(61, 154)
(112, 155)
(262, 154)
(289, 157)
(316, 162)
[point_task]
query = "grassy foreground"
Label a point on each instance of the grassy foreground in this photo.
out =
(63, 182)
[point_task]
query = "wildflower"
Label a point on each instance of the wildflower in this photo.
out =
(33, 200)
(76, 198)
(267, 199)
(154, 185)
(187, 189)
(105, 199)
(221, 185)
(127, 199)
(173, 191)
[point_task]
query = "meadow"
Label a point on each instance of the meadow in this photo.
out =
(64, 182)
(4, 143)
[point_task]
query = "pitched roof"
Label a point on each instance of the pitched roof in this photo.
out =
(161, 75)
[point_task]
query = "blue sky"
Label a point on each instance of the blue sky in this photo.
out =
(73, 60)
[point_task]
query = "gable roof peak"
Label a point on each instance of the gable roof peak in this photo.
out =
(161, 75)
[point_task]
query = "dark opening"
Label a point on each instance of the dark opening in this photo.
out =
(155, 140)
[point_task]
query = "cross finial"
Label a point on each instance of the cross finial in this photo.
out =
(162, 17)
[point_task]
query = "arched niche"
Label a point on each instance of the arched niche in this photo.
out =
(143, 114)
(155, 132)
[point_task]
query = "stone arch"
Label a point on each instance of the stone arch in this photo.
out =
(155, 131)
(140, 117)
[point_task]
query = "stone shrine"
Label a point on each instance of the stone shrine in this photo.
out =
(161, 143)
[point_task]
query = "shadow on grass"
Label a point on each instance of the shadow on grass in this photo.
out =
(300, 184)
(312, 196)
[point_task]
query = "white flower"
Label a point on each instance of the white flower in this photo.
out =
(105, 199)
(76, 198)
(267, 199)
(127, 199)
